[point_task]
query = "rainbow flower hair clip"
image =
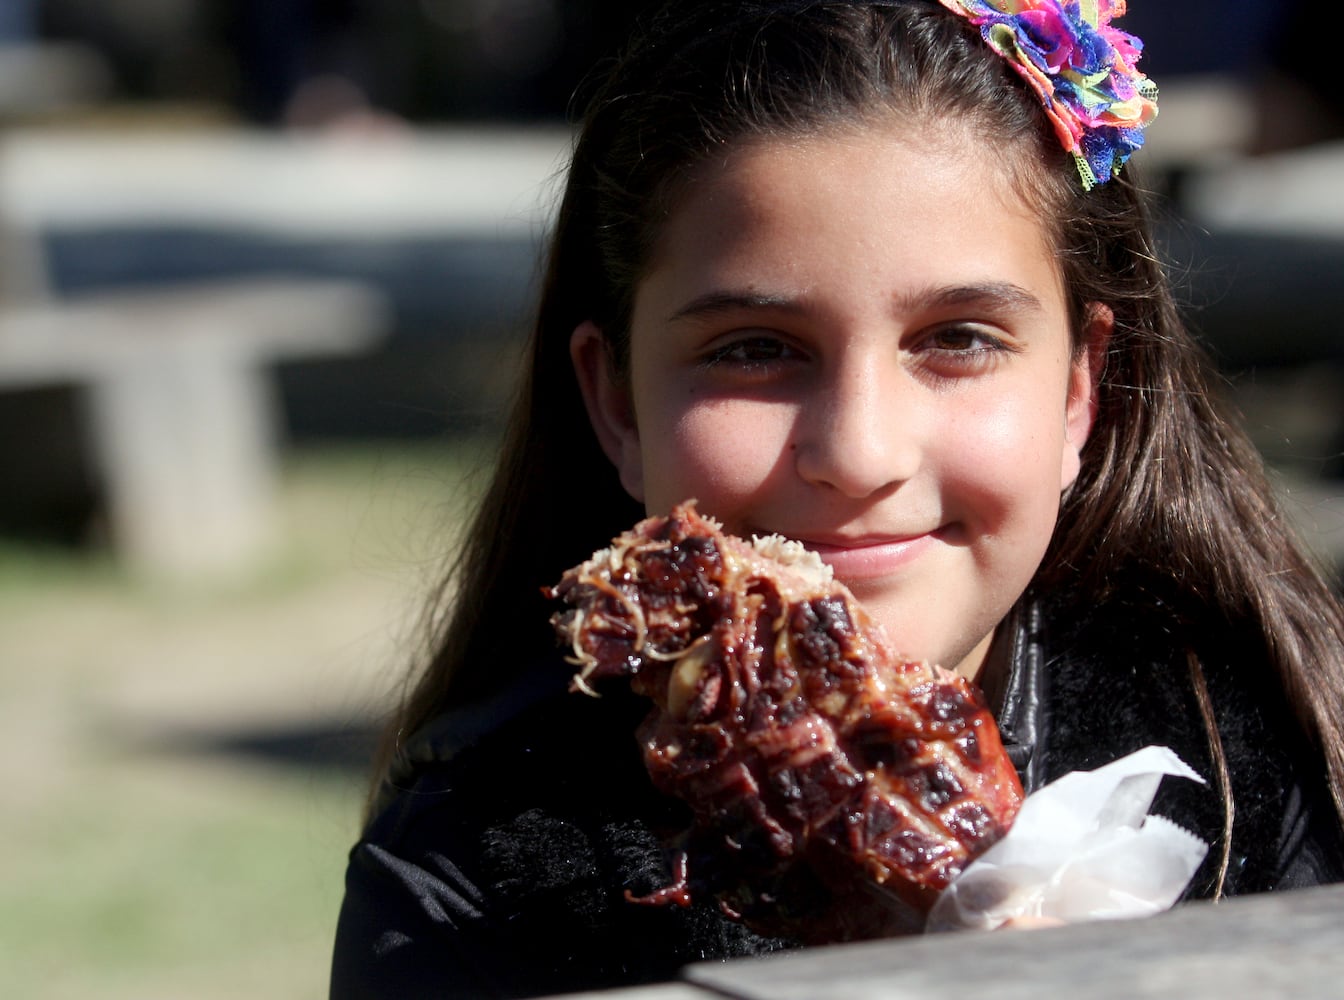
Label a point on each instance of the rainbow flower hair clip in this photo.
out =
(1082, 68)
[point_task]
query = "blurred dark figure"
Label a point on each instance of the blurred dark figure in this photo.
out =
(279, 62)
(1202, 37)
(1270, 47)
(18, 21)
(423, 60)
(156, 50)
(1299, 101)
(512, 59)
(313, 59)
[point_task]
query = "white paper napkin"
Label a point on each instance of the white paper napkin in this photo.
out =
(1081, 848)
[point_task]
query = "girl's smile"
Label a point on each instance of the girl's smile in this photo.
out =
(859, 340)
(871, 557)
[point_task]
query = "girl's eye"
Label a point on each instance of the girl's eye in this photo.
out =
(962, 351)
(964, 340)
(751, 353)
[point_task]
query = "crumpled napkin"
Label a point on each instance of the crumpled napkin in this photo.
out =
(1081, 848)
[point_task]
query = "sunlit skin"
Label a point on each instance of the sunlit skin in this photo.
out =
(860, 340)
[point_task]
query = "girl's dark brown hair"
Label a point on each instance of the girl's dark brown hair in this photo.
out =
(1171, 491)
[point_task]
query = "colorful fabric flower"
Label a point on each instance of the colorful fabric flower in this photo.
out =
(1083, 69)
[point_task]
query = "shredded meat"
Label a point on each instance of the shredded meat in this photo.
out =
(817, 763)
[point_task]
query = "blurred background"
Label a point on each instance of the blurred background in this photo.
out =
(264, 270)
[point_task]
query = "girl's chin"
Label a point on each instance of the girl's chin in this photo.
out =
(945, 635)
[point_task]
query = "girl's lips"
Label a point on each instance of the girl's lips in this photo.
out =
(864, 559)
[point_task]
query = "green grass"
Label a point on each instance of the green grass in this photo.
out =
(139, 861)
(144, 882)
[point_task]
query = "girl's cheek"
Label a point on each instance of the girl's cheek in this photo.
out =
(729, 447)
(1005, 457)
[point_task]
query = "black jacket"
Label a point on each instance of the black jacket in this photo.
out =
(496, 867)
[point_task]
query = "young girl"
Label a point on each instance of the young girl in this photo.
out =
(865, 274)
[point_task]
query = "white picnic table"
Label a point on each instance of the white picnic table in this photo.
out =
(177, 381)
(179, 405)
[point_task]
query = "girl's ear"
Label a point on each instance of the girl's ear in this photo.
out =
(610, 410)
(1084, 379)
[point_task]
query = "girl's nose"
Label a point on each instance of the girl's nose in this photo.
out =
(860, 432)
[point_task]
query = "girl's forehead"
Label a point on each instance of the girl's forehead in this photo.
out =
(986, 170)
(886, 195)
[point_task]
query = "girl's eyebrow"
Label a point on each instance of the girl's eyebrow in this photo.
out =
(993, 295)
(716, 302)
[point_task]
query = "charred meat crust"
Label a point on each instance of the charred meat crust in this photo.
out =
(817, 762)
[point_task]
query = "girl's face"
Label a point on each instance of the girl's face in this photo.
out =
(860, 340)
